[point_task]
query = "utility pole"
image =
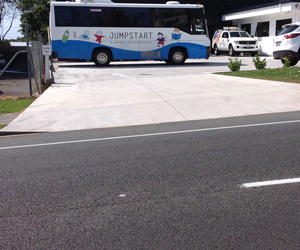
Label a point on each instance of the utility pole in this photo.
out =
(28, 61)
(1, 21)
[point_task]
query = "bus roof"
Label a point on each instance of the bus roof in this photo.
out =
(94, 1)
(108, 3)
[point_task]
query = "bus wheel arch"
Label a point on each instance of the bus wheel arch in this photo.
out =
(102, 56)
(177, 55)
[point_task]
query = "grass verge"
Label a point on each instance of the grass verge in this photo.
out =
(14, 104)
(288, 74)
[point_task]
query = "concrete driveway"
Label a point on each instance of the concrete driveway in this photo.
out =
(135, 93)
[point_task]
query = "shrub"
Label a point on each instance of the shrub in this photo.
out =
(5, 43)
(235, 64)
(286, 62)
(258, 63)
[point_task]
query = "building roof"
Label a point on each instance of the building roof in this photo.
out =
(263, 5)
(284, 6)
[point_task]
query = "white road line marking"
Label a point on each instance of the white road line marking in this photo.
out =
(148, 135)
(269, 183)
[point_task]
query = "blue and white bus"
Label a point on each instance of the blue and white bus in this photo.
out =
(102, 31)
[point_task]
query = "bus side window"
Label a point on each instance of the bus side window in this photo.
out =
(145, 18)
(157, 18)
(182, 20)
(131, 17)
(160, 23)
(164, 17)
(62, 16)
(175, 18)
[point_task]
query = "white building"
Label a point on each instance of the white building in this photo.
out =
(264, 22)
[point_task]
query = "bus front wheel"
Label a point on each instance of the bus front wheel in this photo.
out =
(177, 56)
(101, 57)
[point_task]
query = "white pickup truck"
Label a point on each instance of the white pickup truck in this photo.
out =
(235, 41)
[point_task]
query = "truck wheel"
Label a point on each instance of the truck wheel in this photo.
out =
(177, 56)
(231, 51)
(101, 57)
(217, 52)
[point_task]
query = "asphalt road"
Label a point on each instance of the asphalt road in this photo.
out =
(166, 186)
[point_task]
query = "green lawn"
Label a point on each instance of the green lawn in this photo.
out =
(289, 74)
(14, 106)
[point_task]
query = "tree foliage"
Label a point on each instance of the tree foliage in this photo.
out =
(36, 15)
(9, 12)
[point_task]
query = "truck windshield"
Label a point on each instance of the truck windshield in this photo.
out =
(239, 34)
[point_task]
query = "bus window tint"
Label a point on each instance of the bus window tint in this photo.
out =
(175, 18)
(102, 17)
(132, 17)
(63, 16)
(93, 17)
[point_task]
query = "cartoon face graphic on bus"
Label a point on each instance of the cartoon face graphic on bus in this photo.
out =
(85, 35)
(99, 36)
(65, 36)
(176, 35)
(160, 39)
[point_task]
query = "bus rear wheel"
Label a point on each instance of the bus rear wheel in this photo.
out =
(177, 56)
(101, 57)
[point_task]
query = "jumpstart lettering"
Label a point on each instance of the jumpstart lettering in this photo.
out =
(130, 35)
